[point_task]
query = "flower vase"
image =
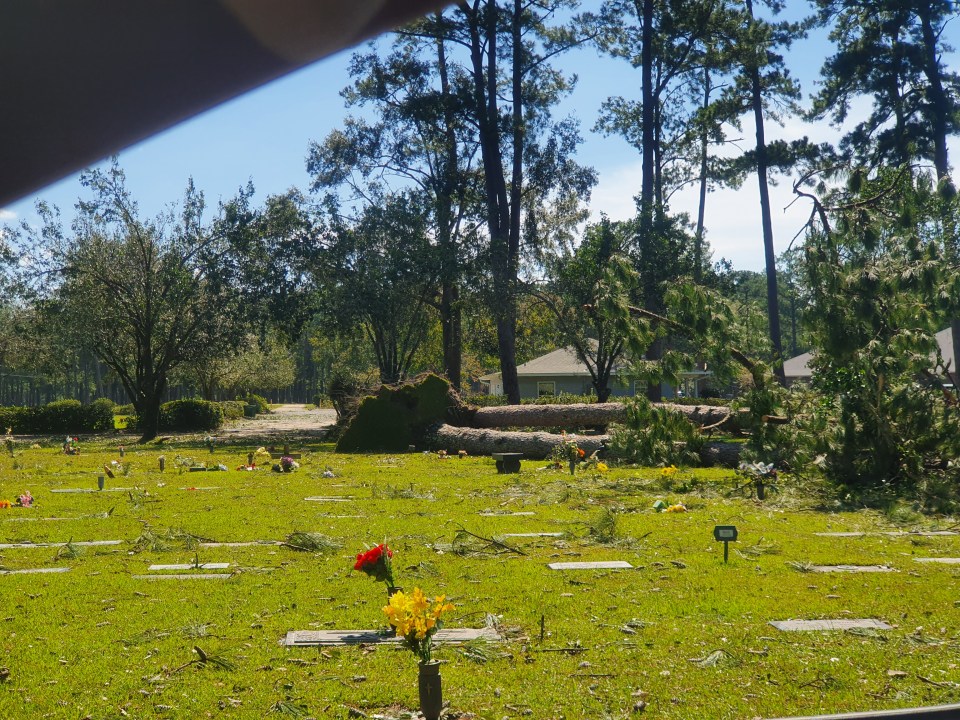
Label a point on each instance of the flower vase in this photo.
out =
(573, 466)
(431, 693)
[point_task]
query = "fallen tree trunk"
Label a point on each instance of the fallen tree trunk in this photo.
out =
(584, 415)
(539, 445)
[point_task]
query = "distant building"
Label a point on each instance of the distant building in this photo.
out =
(561, 371)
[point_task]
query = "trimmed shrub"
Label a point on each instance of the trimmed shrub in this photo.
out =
(232, 409)
(66, 416)
(60, 417)
(263, 405)
(190, 415)
(100, 415)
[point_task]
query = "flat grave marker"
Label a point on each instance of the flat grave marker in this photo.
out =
(602, 565)
(247, 543)
(839, 534)
(320, 498)
(93, 490)
(850, 568)
(507, 514)
(312, 638)
(944, 560)
(88, 543)
(813, 625)
(533, 535)
(919, 533)
(186, 576)
(211, 487)
(190, 566)
(37, 571)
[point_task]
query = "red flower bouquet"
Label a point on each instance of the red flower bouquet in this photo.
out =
(375, 562)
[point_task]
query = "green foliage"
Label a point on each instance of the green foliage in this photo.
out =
(100, 415)
(562, 398)
(232, 409)
(59, 417)
(190, 415)
(655, 436)
(398, 416)
(880, 290)
(263, 405)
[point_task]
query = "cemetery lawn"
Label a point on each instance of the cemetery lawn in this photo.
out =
(681, 635)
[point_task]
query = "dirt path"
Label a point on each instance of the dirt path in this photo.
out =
(287, 421)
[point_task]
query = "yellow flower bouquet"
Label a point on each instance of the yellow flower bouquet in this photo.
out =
(417, 619)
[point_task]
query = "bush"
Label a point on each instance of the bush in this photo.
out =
(190, 415)
(232, 409)
(263, 405)
(100, 415)
(60, 417)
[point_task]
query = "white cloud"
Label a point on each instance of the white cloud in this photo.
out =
(7, 215)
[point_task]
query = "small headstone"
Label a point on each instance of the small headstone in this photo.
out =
(190, 576)
(532, 535)
(603, 565)
(32, 571)
(308, 638)
(944, 560)
(850, 568)
(190, 566)
(329, 499)
(808, 625)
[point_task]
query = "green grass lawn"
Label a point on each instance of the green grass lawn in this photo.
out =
(682, 633)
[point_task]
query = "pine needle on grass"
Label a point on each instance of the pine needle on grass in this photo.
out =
(311, 542)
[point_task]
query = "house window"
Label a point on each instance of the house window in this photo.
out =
(546, 388)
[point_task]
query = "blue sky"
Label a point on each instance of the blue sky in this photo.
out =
(263, 136)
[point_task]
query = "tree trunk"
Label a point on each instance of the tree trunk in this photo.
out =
(702, 201)
(540, 445)
(583, 415)
(770, 258)
(450, 316)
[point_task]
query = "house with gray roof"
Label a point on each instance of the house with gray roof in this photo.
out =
(561, 371)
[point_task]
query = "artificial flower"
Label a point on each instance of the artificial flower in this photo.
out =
(668, 471)
(4, 504)
(376, 562)
(602, 467)
(25, 500)
(417, 619)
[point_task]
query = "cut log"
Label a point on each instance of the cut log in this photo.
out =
(584, 415)
(539, 445)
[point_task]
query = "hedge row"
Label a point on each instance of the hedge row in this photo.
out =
(69, 417)
(62, 417)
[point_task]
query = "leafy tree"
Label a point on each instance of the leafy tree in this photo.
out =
(598, 267)
(254, 366)
(879, 291)
(419, 137)
(267, 255)
(377, 274)
(137, 293)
